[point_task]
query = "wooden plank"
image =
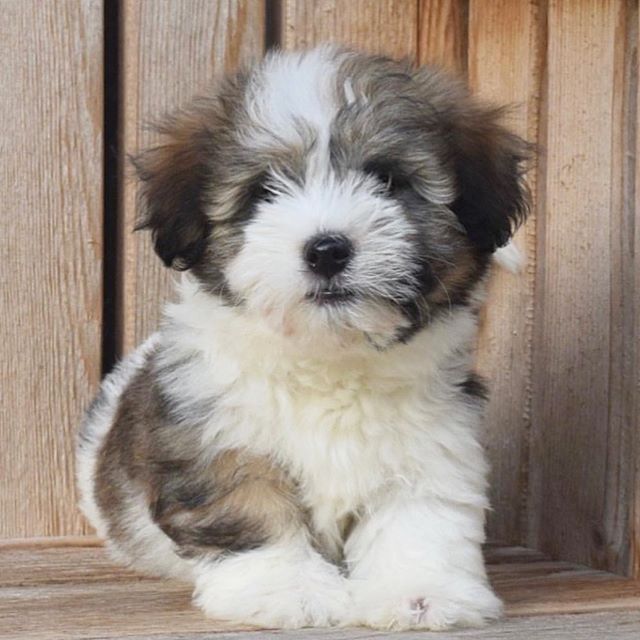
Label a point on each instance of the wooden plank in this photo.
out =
(572, 466)
(633, 229)
(622, 490)
(170, 51)
(46, 566)
(443, 34)
(496, 45)
(51, 255)
(382, 27)
(79, 593)
(165, 611)
(39, 565)
(516, 571)
(618, 625)
(543, 597)
(50, 542)
(496, 554)
(100, 610)
(504, 69)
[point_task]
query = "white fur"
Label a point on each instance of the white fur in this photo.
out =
(360, 429)
(365, 431)
(291, 90)
(287, 585)
(379, 433)
(417, 563)
(151, 550)
(269, 272)
(510, 257)
(96, 427)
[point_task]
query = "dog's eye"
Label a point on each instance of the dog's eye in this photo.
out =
(254, 194)
(390, 181)
(260, 192)
(386, 179)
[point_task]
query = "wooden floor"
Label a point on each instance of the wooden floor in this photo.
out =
(54, 591)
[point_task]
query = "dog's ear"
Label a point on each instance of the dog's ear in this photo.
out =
(489, 163)
(172, 196)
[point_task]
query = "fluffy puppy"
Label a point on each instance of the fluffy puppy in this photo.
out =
(300, 439)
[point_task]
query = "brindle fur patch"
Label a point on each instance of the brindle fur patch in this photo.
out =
(233, 502)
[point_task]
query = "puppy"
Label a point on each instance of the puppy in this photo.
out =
(300, 439)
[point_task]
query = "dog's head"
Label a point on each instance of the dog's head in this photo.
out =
(337, 191)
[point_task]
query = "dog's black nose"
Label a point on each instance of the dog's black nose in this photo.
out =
(328, 255)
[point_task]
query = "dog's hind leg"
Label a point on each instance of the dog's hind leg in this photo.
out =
(230, 521)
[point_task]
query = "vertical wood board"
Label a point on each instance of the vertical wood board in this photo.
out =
(622, 488)
(51, 252)
(569, 466)
(443, 34)
(170, 51)
(633, 195)
(388, 27)
(503, 69)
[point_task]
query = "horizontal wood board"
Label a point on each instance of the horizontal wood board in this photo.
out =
(76, 592)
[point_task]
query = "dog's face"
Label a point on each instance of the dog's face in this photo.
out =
(334, 191)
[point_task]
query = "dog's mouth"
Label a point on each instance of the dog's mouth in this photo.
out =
(331, 296)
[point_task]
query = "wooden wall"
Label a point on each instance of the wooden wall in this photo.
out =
(559, 341)
(170, 50)
(50, 254)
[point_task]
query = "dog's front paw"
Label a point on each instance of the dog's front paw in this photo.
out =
(426, 608)
(273, 592)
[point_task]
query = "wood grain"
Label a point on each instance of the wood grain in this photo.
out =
(51, 255)
(381, 27)
(619, 625)
(622, 490)
(503, 69)
(575, 450)
(443, 34)
(632, 197)
(78, 593)
(170, 50)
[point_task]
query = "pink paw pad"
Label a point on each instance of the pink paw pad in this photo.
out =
(419, 609)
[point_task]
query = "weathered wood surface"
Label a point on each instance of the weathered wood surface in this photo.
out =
(556, 338)
(622, 499)
(50, 252)
(389, 26)
(66, 593)
(170, 51)
(443, 34)
(581, 485)
(504, 35)
(630, 370)
(619, 625)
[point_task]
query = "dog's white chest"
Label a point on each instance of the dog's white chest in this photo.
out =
(350, 425)
(342, 434)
